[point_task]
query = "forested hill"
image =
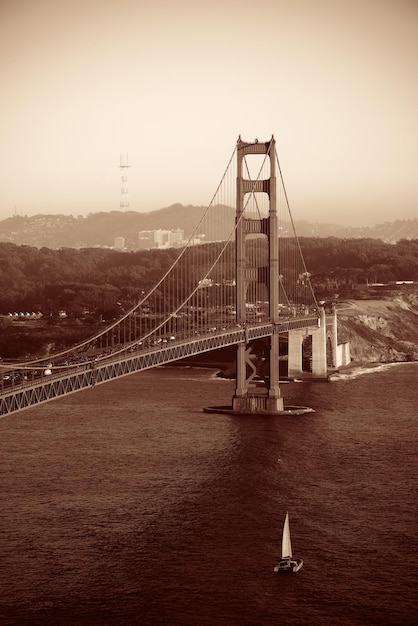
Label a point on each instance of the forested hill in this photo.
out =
(101, 229)
(92, 285)
(93, 279)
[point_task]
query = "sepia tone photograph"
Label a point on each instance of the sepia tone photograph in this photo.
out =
(208, 312)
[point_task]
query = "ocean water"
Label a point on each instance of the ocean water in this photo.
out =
(127, 504)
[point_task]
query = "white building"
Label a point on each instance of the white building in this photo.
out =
(160, 238)
(145, 239)
(119, 243)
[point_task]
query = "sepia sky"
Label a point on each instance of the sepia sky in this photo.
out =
(174, 82)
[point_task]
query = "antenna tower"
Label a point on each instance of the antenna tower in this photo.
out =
(124, 165)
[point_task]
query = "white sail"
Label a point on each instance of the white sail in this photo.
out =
(286, 543)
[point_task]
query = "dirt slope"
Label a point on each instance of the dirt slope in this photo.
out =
(384, 330)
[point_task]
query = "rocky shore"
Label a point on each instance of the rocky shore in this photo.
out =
(381, 330)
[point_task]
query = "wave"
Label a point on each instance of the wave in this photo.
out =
(367, 368)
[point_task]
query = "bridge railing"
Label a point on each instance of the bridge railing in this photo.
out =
(59, 378)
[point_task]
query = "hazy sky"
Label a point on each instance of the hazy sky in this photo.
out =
(174, 82)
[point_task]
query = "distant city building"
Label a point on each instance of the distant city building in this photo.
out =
(196, 241)
(160, 238)
(145, 239)
(119, 243)
(176, 237)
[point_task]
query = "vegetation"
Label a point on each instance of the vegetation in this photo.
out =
(91, 279)
(93, 285)
(349, 265)
(101, 281)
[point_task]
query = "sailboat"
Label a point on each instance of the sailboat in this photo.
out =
(287, 563)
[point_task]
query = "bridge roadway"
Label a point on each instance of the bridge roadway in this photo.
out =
(76, 377)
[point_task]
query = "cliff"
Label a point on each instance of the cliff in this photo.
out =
(381, 331)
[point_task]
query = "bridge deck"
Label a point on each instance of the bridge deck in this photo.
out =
(77, 377)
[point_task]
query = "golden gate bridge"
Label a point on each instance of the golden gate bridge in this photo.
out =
(241, 277)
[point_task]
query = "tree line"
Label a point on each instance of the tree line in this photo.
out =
(102, 280)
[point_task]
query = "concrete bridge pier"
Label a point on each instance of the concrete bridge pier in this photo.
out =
(249, 399)
(334, 338)
(319, 349)
(274, 400)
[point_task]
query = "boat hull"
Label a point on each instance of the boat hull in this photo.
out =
(289, 567)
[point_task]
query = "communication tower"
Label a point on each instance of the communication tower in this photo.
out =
(124, 165)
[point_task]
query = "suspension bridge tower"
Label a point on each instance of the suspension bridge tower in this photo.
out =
(245, 400)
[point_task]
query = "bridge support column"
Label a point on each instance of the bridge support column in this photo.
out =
(319, 348)
(274, 400)
(249, 399)
(334, 338)
(241, 388)
(294, 363)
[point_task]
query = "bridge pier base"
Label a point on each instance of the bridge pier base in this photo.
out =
(250, 400)
(254, 403)
(268, 401)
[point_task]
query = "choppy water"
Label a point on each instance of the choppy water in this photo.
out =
(126, 504)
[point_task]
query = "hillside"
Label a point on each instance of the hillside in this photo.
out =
(100, 229)
(381, 331)
(374, 284)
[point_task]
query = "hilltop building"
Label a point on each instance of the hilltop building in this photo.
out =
(160, 239)
(119, 243)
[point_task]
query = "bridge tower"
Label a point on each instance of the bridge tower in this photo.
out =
(245, 399)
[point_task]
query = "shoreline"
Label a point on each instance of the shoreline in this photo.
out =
(360, 369)
(347, 372)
